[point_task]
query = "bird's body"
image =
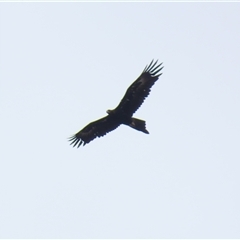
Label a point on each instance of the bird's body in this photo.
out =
(122, 114)
(127, 120)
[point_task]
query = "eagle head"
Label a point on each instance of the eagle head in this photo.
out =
(109, 111)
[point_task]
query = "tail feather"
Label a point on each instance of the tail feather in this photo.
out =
(139, 125)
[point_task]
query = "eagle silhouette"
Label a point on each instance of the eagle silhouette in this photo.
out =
(122, 114)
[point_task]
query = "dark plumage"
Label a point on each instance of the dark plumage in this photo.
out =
(122, 114)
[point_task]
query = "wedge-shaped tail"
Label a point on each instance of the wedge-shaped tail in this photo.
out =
(139, 125)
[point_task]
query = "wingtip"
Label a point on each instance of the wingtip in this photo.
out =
(75, 142)
(153, 68)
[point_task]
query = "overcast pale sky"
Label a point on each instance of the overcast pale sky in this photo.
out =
(62, 65)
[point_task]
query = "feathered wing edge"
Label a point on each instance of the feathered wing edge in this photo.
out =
(93, 130)
(153, 68)
(140, 88)
(76, 141)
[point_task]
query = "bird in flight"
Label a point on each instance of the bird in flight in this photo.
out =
(122, 114)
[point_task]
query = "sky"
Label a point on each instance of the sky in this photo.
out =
(62, 65)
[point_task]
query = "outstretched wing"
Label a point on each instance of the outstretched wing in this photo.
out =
(139, 89)
(94, 129)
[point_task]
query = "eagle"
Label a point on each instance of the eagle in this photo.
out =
(122, 114)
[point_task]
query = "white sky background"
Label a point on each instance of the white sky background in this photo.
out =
(63, 65)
